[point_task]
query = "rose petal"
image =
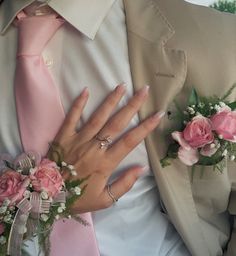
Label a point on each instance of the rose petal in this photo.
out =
(178, 136)
(188, 156)
(208, 151)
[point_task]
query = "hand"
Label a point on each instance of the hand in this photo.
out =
(82, 148)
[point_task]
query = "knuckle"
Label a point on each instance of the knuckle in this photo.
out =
(128, 182)
(107, 202)
(94, 122)
(114, 127)
(111, 101)
(132, 106)
(129, 141)
(76, 106)
(147, 126)
(69, 120)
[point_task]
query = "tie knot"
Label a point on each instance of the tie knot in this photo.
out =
(34, 33)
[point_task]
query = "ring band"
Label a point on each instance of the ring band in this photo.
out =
(104, 141)
(114, 199)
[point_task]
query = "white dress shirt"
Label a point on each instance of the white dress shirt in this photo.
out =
(91, 50)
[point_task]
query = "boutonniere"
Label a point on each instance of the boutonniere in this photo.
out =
(33, 195)
(207, 136)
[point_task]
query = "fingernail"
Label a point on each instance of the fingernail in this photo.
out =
(121, 88)
(159, 115)
(143, 171)
(85, 91)
(144, 90)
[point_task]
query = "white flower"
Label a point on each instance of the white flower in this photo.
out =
(63, 206)
(225, 152)
(22, 229)
(222, 104)
(57, 217)
(3, 209)
(8, 219)
(6, 202)
(213, 145)
(232, 158)
(60, 210)
(44, 217)
(70, 167)
(73, 173)
(12, 208)
(69, 216)
(32, 171)
(77, 190)
(64, 164)
(201, 105)
(27, 194)
(3, 240)
(217, 107)
(44, 195)
(191, 110)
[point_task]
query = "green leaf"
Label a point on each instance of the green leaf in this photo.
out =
(165, 162)
(172, 153)
(193, 98)
(232, 105)
(210, 161)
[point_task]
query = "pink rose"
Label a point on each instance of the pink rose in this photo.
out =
(1, 229)
(12, 186)
(47, 178)
(224, 123)
(187, 155)
(198, 132)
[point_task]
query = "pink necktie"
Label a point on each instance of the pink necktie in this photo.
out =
(40, 115)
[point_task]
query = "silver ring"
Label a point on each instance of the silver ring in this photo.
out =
(104, 142)
(114, 199)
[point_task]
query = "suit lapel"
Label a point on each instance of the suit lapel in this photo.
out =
(165, 71)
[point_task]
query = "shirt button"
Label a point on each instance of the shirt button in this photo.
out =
(49, 62)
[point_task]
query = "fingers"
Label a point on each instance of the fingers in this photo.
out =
(100, 117)
(131, 139)
(121, 119)
(69, 126)
(122, 185)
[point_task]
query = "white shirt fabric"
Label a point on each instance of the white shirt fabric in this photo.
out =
(91, 50)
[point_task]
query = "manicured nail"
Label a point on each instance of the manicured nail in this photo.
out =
(159, 115)
(143, 171)
(121, 88)
(85, 92)
(144, 90)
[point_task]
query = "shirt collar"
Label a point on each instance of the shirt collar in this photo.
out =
(86, 16)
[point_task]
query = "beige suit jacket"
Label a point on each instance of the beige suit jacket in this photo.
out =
(173, 46)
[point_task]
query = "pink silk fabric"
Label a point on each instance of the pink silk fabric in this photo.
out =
(40, 115)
